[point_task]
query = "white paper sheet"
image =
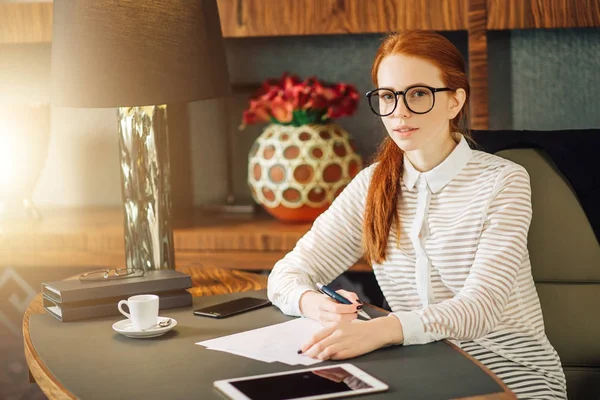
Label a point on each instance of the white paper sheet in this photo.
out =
(279, 342)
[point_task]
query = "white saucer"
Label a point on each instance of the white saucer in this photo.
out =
(125, 327)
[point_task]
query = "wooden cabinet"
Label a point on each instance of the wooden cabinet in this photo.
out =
(29, 22)
(530, 14)
(94, 237)
(244, 18)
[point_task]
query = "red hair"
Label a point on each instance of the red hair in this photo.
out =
(385, 189)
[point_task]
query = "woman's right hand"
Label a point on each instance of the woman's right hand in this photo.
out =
(327, 311)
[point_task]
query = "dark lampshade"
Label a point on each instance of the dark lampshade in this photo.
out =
(118, 53)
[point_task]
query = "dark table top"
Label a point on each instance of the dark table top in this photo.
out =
(91, 361)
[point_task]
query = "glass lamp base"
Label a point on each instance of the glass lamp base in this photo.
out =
(146, 189)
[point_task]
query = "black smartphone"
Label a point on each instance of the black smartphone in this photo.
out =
(232, 307)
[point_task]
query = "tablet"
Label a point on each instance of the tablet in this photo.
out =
(332, 381)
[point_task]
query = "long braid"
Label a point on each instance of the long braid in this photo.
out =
(381, 210)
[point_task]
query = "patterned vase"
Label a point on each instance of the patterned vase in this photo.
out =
(295, 173)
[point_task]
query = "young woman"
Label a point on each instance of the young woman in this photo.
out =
(444, 226)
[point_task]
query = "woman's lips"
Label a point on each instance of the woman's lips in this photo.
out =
(405, 132)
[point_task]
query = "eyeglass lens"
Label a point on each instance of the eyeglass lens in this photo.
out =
(417, 100)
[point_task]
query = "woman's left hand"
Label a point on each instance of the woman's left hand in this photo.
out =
(347, 340)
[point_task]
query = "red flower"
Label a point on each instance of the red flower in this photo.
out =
(282, 110)
(289, 100)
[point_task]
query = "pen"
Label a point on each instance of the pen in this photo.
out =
(339, 298)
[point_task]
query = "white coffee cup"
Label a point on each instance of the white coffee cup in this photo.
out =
(143, 309)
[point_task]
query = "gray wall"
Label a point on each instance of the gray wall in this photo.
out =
(555, 79)
(542, 79)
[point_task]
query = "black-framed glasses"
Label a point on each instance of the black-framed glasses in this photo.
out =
(418, 99)
(111, 274)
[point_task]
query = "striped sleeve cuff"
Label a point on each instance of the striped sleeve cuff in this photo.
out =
(414, 329)
(294, 299)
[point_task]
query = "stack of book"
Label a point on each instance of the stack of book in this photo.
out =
(72, 300)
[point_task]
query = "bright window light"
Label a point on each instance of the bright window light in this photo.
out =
(8, 157)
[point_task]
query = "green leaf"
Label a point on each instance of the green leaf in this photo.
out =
(305, 117)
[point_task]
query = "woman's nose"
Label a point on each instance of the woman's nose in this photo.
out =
(401, 110)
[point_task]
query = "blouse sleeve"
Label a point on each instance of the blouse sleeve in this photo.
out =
(332, 245)
(477, 308)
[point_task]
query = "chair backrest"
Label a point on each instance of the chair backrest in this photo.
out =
(565, 258)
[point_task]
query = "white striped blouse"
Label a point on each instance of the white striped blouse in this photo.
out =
(461, 270)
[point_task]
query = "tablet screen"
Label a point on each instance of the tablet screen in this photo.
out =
(321, 381)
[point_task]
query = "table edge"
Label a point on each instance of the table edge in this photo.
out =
(45, 379)
(505, 394)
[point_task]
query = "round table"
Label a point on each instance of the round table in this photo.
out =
(206, 282)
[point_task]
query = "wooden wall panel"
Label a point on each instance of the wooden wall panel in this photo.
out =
(524, 14)
(245, 18)
(31, 22)
(478, 69)
(25, 23)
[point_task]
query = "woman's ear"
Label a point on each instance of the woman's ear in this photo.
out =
(456, 102)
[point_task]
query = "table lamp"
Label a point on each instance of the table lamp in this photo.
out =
(139, 56)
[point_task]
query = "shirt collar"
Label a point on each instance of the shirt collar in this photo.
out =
(441, 175)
